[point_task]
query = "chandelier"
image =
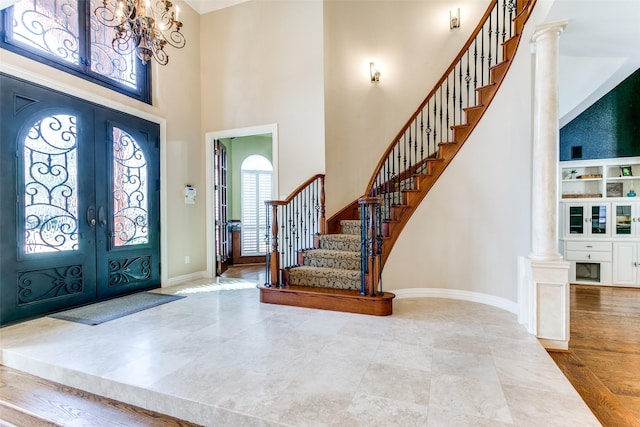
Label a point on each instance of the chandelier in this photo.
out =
(143, 26)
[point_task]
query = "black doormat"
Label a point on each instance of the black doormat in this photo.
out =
(101, 312)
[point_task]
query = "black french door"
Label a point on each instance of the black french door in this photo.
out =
(79, 202)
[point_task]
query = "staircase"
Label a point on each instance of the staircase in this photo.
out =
(330, 277)
(325, 274)
(336, 264)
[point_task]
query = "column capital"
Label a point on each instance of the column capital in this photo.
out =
(549, 29)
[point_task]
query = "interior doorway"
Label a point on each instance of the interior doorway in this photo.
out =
(224, 229)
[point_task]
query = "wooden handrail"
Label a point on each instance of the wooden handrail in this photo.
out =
(297, 191)
(433, 91)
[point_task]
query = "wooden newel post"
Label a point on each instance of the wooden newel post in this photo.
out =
(371, 249)
(323, 220)
(274, 253)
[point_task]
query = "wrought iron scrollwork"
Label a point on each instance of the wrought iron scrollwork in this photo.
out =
(123, 271)
(130, 197)
(53, 30)
(41, 285)
(50, 185)
(118, 66)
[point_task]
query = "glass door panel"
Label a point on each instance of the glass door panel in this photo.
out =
(599, 219)
(623, 220)
(130, 193)
(50, 186)
(576, 220)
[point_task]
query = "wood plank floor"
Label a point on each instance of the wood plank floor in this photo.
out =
(30, 401)
(603, 361)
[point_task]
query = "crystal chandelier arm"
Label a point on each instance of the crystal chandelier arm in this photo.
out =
(145, 26)
(168, 26)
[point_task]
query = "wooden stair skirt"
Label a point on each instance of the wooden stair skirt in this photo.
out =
(328, 299)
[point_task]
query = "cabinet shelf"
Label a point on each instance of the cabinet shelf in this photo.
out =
(582, 196)
(620, 178)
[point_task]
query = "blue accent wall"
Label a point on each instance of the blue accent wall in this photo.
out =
(609, 128)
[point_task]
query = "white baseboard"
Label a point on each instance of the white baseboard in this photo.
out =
(185, 278)
(491, 300)
(554, 344)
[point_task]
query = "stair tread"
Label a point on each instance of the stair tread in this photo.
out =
(330, 253)
(340, 242)
(340, 236)
(350, 226)
(326, 270)
(325, 277)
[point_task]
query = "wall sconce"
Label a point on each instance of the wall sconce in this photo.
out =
(454, 19)
(375, 72)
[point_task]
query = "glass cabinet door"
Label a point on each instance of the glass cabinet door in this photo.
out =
(623, 219)
(626, 220)
(599, 219)
(576, 220)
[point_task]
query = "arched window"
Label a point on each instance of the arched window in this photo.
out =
(256, 177)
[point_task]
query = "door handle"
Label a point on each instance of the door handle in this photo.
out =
(101, 217)
(91, 216)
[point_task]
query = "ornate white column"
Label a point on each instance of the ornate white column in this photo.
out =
(545, 281)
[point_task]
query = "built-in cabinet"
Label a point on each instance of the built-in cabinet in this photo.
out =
(601, 220)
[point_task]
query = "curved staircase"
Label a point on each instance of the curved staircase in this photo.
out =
(325, 275)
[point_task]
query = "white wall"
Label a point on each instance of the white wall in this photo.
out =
(262, 64)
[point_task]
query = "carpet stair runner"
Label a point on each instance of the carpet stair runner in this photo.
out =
(335, 264)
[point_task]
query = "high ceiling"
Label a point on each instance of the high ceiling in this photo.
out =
(599, 48)
(205, 6)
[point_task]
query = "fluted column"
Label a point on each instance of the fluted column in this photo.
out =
(544, 206)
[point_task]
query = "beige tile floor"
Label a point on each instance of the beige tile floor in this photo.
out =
(221, 358)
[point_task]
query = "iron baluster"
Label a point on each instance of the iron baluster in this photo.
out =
(415, 142)
(489, 34)
(447, 127)
(467, 79)
(422, 134)
(482, 57)
(460, 106)
(475, 71)
(407, 154)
